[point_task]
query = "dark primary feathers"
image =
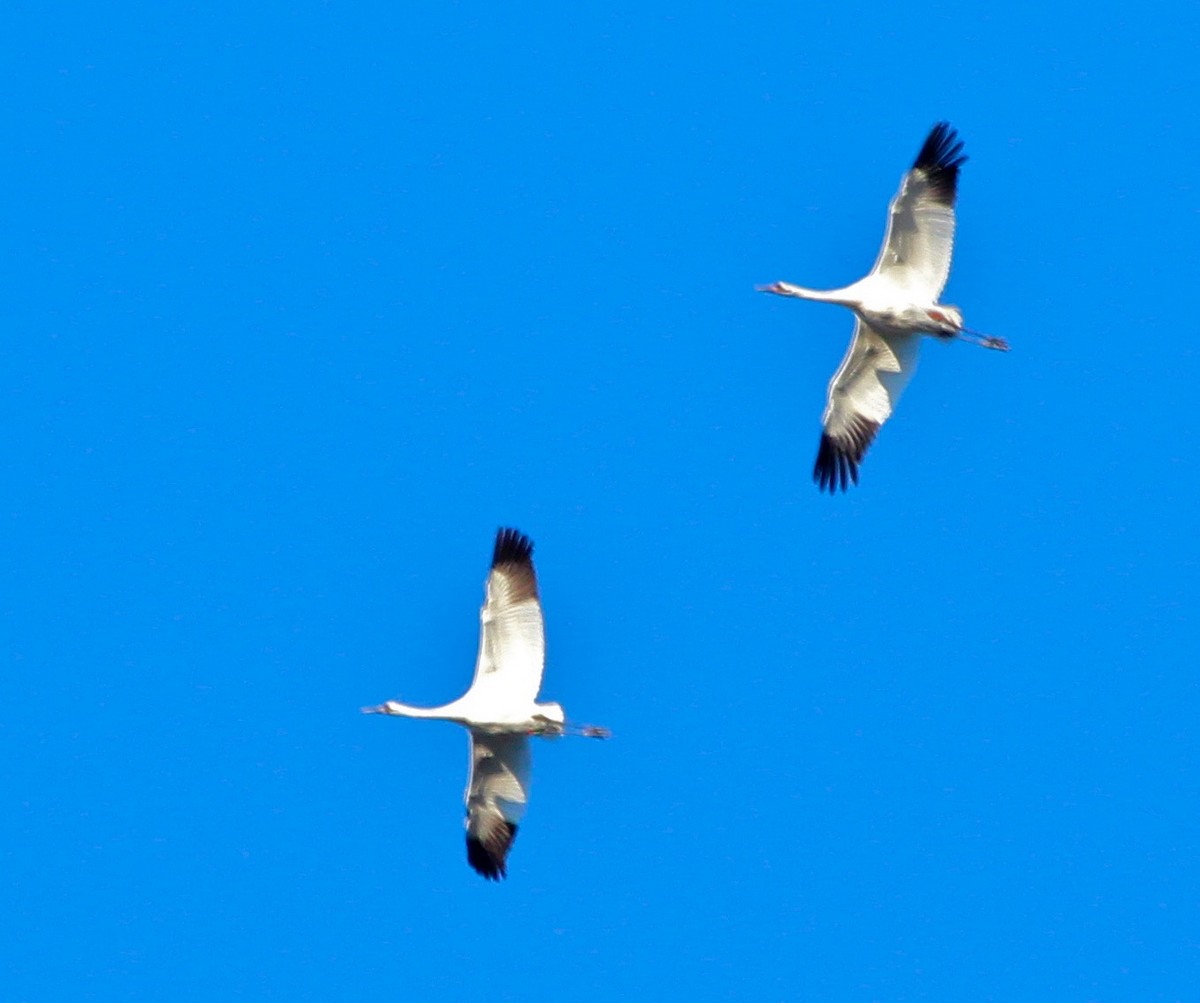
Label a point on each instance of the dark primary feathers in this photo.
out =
(497, 793)
(488, 852)
(512, 580)
(939, 160)
(512, 547)
(838, 456)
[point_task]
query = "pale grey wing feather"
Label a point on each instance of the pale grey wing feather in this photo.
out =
(861, 397)
(920, 237)
(512, 640)
(920, 233)
(496, 796)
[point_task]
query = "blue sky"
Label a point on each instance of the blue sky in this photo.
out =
(304, 300)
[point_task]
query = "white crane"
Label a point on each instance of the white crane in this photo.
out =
(500, 710)
(895, 304)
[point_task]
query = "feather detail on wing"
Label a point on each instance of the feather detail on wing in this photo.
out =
(497, 792)
(920, 232)
(512, 645)
(861, 397)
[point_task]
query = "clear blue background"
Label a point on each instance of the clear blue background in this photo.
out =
(303, 300)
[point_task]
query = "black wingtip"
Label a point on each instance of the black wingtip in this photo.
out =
(834, 470)
(512, 547)
(492, 862)
(838, 457)
(939, 160)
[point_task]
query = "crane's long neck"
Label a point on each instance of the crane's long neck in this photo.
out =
(839, 296)
(449, 712)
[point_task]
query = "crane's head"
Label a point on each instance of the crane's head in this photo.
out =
(389, 707)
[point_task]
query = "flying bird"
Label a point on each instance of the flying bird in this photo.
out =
(500, 710)
(894, 305)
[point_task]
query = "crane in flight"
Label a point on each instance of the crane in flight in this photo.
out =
(894, 305)
(500, 710)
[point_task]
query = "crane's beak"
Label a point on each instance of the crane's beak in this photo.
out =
(381, 709)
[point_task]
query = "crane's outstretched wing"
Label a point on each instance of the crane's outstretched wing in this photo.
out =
(920, 232)
(497, 791)
(862, 395)
(512, 643)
